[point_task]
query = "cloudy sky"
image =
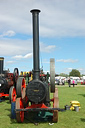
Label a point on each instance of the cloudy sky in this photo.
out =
(62, 34)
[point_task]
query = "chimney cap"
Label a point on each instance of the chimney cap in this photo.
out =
(35, 10)
(1, 58)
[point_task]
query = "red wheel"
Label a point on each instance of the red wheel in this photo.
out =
(19, 114)
(20, 85)
(12, 94)
(24, 96)
(55, 105)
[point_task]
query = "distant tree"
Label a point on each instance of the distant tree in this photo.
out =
(75, 73)
(83, 75)
(56, 74)
(64, 75)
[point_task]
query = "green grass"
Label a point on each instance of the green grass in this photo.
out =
(67, 119)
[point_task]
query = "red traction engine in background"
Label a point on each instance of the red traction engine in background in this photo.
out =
(7, 80)
(35, 97)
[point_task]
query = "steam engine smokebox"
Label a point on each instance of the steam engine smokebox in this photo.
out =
(1, 65)
(3, 84)
(36, 91)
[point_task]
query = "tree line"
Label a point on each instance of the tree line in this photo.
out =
(74, 73)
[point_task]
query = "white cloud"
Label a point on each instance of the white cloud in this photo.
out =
(50, 47)
(12, 47)
(46, 61)
(47, 48)
(46, 72)
(82, 70)
(69, 68)
(8, 33)
(18, 57)
(29, 55)
(67, 60)
(10, 62)
(57, 17)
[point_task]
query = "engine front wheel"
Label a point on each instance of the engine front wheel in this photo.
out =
(19, 114)
(20, 86)
(55, 105)
(12, 94)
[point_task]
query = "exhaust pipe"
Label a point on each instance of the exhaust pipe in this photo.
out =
(36, 63)
(1, 64)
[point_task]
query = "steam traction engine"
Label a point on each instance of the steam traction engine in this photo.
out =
(7, 80)
(35, 96)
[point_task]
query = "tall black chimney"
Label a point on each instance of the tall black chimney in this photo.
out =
(1, 65)
(36, 64)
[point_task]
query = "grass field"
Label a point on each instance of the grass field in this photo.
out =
(67, 119)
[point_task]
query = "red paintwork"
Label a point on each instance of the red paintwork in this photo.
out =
(23, 83)
(37, 106)
(42, 75)
(2, 94)
(52, 99)
(9, 78)
(42, 105)
(14, 95)
(21, 112)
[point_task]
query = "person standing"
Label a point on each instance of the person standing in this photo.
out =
(69, 82)
(73, 83)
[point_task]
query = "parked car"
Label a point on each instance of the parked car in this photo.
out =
(60, 82)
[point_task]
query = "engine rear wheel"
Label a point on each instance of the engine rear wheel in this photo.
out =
(12, 94)
(55, 105)
(52, 74)
(24, 96)
(19, 114)
(19, 86)
(15, 76)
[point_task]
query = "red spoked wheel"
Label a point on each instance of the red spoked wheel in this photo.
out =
(20, 86)
(55, 105)
(12, 94)
(19, 114)
(24, 96)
